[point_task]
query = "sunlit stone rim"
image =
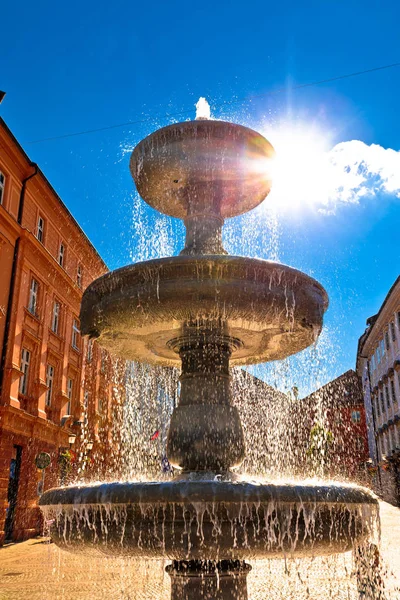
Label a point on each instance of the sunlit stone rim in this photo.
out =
(205, 491)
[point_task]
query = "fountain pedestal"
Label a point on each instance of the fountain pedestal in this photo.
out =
(205, 432)
(205, 580)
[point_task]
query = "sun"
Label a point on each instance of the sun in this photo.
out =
(301, 172)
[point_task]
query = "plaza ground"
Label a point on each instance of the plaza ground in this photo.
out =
(38, 570)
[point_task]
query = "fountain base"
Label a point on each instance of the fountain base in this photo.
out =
(206, 580)
(210, 520)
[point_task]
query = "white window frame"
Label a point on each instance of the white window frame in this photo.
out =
(25, 362)
(33, 296)
(61, 255)
(89, 353)
(40, 229)
(79, 276)
(102, 404)
(49, 382)
(356, 416)
(2, 186)
(55, 320)
(103, 362)
(70, 389)
(75, 334)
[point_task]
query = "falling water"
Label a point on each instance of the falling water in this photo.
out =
(277, 440)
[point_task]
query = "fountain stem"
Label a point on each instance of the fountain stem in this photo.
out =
(203, 235)
(205, 580)
(205, 432)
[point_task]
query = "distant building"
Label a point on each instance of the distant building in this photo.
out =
(378, 364)
(322, 435)
(335, 416)
(53, 386)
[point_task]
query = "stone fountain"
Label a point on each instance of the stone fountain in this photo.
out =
(206, 311)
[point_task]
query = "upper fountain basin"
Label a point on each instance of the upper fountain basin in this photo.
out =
(203, 167)
(270, 310)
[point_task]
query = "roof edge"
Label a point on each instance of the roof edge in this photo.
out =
(373, 320)
(47, 182)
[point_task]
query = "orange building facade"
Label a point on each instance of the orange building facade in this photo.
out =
(54, 384)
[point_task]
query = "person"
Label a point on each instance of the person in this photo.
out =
(166, 465)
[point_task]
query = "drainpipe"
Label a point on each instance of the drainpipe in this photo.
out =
(23, 189)
(13, 277)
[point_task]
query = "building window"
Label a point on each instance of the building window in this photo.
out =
(49, 383)
(40, 229)
(378, 408)
(103, 362)
(394, 397)
(382, 402)
(387, 343)
(61, 255)
(384, 399)
(393, 331)
(387, 396)
(79, 276)
(75, 334)
(102, 403)
(23, 382)
(378, 354)
(70, 387)
(2, 184)
(356, 416)
(360, 444)
(33, 297)
(85, 407)
(89, 354)
(55, 321)
(390, 441)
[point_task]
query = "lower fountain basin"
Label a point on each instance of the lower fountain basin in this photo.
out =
(272, 310)
(209, 520)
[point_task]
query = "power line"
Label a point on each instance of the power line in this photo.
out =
(228, 102)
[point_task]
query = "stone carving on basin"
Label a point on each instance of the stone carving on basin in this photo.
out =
(206, 311)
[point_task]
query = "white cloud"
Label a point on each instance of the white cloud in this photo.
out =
(361, 170)
(305, 173)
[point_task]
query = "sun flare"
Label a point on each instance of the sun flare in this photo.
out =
(301, 170)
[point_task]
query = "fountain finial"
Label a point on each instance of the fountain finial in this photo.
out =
(203, 111)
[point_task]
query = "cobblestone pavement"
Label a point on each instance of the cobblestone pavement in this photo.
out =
(37, 570)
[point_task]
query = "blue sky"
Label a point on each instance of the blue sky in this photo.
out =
(78, 66)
